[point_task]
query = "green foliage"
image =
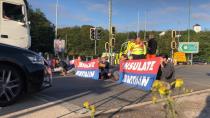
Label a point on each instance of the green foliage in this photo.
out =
(79, 43)
(42, 31)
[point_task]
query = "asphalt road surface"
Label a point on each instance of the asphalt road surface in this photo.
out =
(70, 92)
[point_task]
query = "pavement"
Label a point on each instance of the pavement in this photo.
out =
(68, 94)
(193, 105)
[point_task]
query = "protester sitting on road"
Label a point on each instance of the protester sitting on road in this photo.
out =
(114, 72)
(166, 70)
(73, 64)
(152, 47)
(104, 68)
(58, 67)
(138, 50)
(52, 63)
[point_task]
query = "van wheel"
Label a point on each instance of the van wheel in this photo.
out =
(11, 84)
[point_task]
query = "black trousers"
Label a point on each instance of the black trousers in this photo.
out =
(135, 57)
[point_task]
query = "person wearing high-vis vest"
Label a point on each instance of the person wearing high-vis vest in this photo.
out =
(138, 49)
(131, 43)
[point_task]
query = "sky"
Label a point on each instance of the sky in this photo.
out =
(158, 15)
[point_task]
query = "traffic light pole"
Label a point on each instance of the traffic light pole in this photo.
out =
(95, 47)
(110, 33)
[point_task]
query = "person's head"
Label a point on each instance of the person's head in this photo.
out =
(57, 60)
(104, 58)
(138, 40)
(123, 57)
(164, 57)
(79, 58)
(132, 38)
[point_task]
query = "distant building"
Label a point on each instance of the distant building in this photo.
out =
(197, 28)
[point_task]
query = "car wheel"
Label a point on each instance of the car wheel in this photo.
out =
(11, 84)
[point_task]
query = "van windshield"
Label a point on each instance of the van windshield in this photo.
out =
(13, 12)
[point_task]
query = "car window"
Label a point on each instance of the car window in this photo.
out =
(13, 12)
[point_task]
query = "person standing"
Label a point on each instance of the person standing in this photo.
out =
(130, 44)
(138, 50)
(152, 47)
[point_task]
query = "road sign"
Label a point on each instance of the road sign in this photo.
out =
(180, 57)
(188, 47)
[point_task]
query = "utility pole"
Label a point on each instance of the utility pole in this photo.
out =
(189, 21)
(56, 20)
(137, 32)
(95, 47)
(189, 25)
(110, 32)
(145, 26)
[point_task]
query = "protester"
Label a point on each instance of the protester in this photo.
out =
(130, 44)
(52, 63)
(104, 68)
(138, 50)
(115, 70)
(152, 47)
(166, 71)
(73, 64)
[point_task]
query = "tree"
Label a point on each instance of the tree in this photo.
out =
(42, 31)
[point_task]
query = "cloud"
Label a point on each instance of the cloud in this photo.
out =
(65, 13)
(98, 7)
(201, 16)
(171, 9)
(205, 6)
(81, 18)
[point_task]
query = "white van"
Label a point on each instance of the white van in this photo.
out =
(14, 25)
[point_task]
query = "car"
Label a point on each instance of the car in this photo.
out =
(21, 71)
(200, 62)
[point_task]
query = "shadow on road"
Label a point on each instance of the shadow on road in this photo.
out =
(141, 98)
(208, 74)
(68, 89)
(205, 113)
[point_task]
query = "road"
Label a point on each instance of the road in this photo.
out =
(70, 92)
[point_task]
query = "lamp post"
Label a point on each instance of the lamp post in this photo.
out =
(110, 32)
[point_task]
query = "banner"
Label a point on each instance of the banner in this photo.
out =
(139, 73)
(59, 45)
(89, 69)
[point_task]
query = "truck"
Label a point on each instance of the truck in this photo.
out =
(14, 24)
(21, 70)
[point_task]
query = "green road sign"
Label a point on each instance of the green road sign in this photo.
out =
(188, 47)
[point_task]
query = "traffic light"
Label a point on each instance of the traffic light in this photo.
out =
(173, 45)
(92, 33)
(113, 31)
(107, 46)
(173, 34)
(98, 34)
(113, 42)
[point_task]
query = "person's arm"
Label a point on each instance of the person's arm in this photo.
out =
(145, 49)
(102, 65)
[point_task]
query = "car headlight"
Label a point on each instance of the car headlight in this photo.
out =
(36, 59)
